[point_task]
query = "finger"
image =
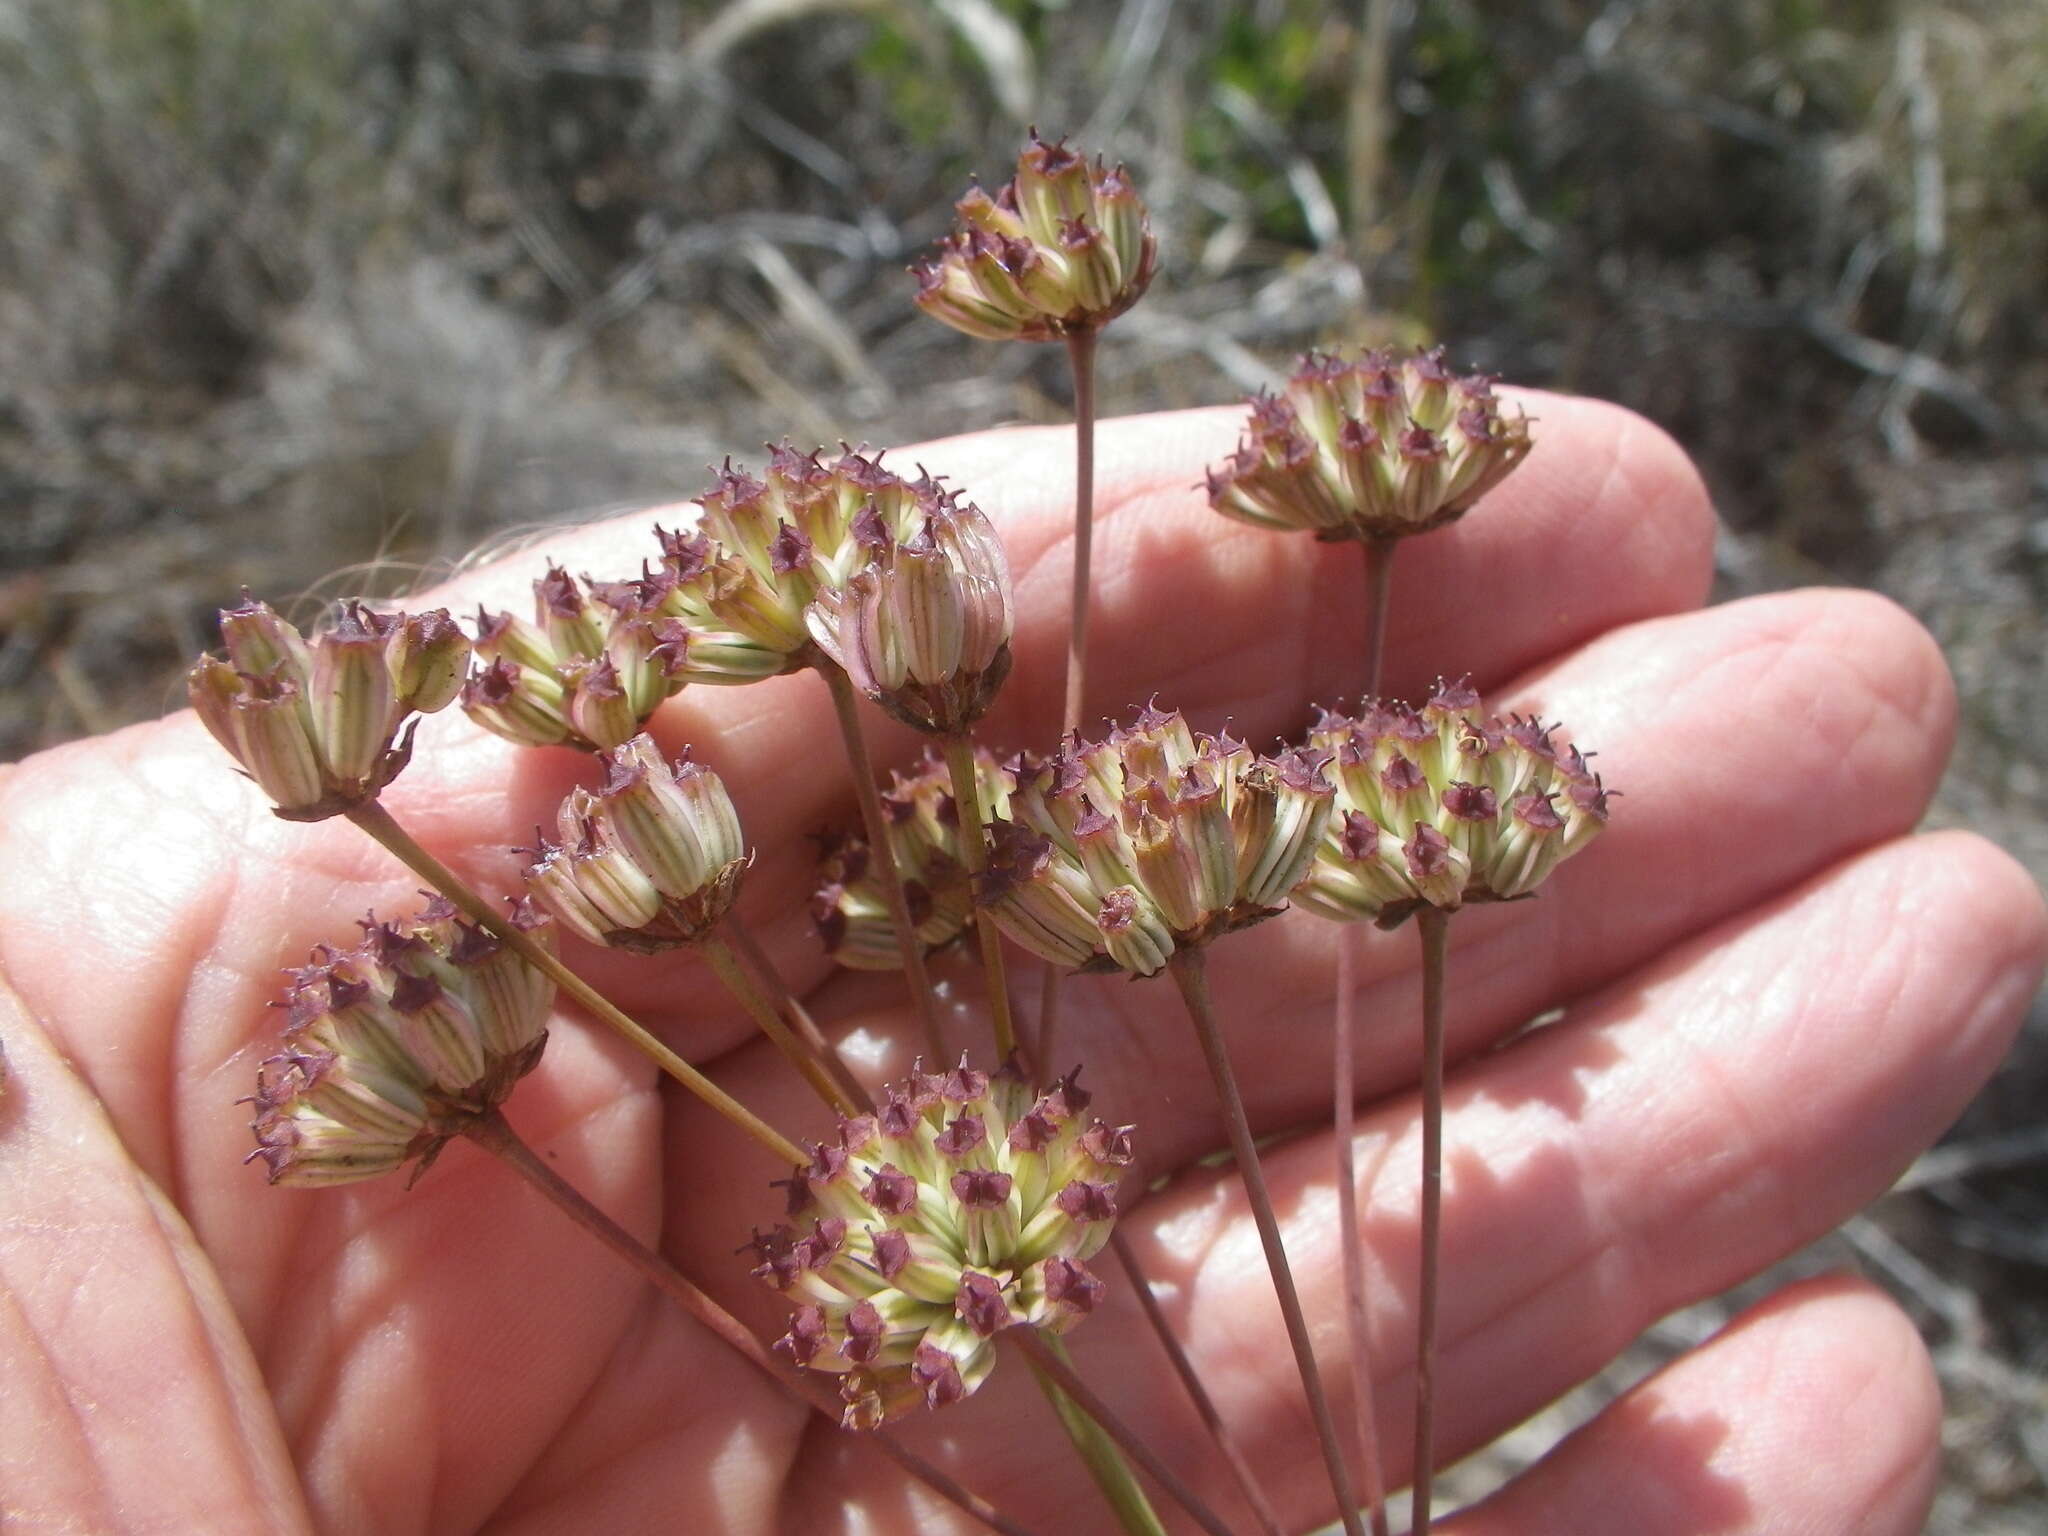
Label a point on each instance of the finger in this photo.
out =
(1814, 1414)
(1754, 744)
(131, 1399)
(1674, 1134)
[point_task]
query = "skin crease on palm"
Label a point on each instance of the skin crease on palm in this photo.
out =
(1774, 994)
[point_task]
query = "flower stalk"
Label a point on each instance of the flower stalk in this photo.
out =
(793, 1013)
(1190, 974)
(371, 816)
(876, 827)
(1433, 926)
(1052, 1365)
(726, 965)
(1343, 1128)
(1099, 1454)
(959, 752)
(1198, 1394)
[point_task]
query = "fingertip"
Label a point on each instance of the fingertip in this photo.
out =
(1816, 1412)
(1625, 468)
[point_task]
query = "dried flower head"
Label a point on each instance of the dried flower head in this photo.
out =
(1115, 854)
(923, 629)
(598, 660)
(1374, 449)
(1063, 248)
(650, 861)
(1443, 806)
(966, 1204)
(318, 724)
(848, 906)
(764, 550)
(396, 1045)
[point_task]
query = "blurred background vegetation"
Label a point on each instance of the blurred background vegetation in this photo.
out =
(317, 297)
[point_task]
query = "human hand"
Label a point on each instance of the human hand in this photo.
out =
(1775, 995)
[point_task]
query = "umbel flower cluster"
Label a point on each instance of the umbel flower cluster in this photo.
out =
(1061, 249)
(317, 724)
(1379, 448)
(650, 861)
(595, 663)
(848, 907)
(965, 1205)
(396, 1045)
(1116, 853)
(1445, 805)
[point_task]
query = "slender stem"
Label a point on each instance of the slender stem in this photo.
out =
(1379, 577)
(1343, 1128)
(495, 1135)
(1098, 1453)
(378, 822)
(1081, 362)
(1198, 1394)
(1434, 926)
(1081, 359)
(793, 1013)
(1068, 1380)
(1379, 572)
(883, 854)
(726, 964)
(973, 832)
(1048, 1017)
(1193, 980)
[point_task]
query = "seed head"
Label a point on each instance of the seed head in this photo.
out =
(848, 906)
(396, 1045)
(966, 1204)
(1062, 249)
(1379, 448)
(764, 552)
(1114, 854)
(326, 724)
(588, 672)
(650, 861)
(1443, 806)
(923, 629)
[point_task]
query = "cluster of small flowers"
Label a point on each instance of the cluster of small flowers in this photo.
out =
(1113, 854)
(1062, 248)
(396, 1045)
(318, 724)
(848, 907)
(1444, 806)
(650, 861)
(965, 1205)
(587, 673)
(1383, 447)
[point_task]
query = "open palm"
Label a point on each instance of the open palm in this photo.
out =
(1773, 996)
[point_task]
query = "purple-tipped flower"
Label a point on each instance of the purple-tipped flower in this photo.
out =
(324, 725)
(963, 1206)
(923, 629)
(1115, 854)
(1060, 250)
(766, 575)
(650, 861)
(396, 1045)
(1445, 805)
(1379, 448)
(588, 672)
(848, 906)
